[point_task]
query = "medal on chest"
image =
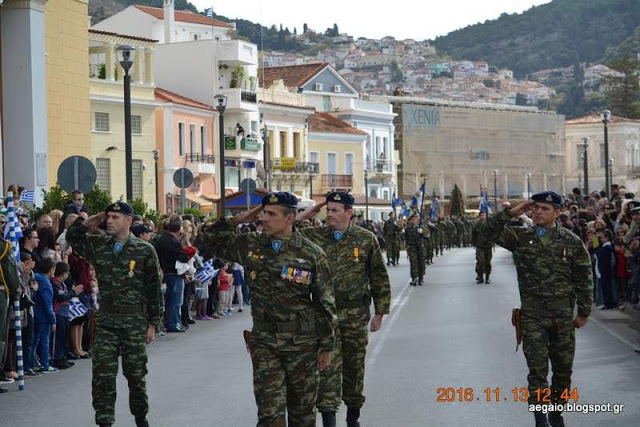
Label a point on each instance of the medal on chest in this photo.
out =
(132, 266)
(356, 254)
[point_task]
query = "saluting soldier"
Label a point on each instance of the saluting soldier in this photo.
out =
(554, 275)
(359, 276)
(130, 307)
(415, 250)
(292, 306)
(391, 231)
(484, 249)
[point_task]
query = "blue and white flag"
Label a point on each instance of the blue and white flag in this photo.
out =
(12, 230)
(209, 12)
(206, 273)
(395, 202)
(28, 196)
(76, 308)
(485, 204)
(435, 203)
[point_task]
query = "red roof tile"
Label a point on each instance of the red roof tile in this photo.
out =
(184, 16)
(595, 118)
(294, 76)
(326, 123)
(166, 96)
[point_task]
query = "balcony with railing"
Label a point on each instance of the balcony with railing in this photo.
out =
(241, 100)
(289, 165)
(381, 166)
(200, 164)
(237, 52)
(337, 181)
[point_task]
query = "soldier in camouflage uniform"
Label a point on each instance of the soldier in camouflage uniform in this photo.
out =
(130, 307)
(292, 306)
(554, 275)
(391, 233)
(442, 233)
(359, 275)
(415, 250)
(484, 249)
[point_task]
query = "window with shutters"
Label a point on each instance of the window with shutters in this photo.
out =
(136, 172)
(103, 171)
(101, 122)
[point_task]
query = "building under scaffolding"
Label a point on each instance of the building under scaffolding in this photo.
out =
(464, 143)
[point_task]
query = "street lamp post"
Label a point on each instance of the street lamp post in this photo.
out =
(585, 144)
(156, 155)
(310, 169)
(124, 52)
(528, 186)
(221, 105)
(266, 155)
(366, 194)
(606, 116)
(495, 188)
(611, 171)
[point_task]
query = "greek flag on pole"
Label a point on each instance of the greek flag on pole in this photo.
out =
(435, 203)
(12, 231)
(485, 204)
(209, 12)
(395, 202)
(206, 273)
(28, 196)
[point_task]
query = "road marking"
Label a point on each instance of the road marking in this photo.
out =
(397, 304)
(614, 334)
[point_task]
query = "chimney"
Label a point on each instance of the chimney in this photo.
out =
(169, 21)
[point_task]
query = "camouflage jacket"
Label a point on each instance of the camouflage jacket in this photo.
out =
(552, 276)
(8, 269)
(130, 282)
(414, 239)
(288, 285)
(357, 265)
(479, 237)
(391, 229)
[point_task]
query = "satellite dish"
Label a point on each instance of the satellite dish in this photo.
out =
(262, 174)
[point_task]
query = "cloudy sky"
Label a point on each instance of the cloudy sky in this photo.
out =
(416, 19)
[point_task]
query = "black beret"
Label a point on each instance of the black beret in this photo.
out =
(340, 197)
(548, 197)
(140, 229)
(634, 205)
(280, 198)
(120, 207)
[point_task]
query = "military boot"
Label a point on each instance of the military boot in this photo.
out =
(328, 419)
(353, 416)
(420, 281)
(479, 279)
(142, 422)
(541, 419)
(413, 282)
(555, 419)
(388, 262)
(486, 279)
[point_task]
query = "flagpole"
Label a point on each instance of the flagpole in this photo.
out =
(422, 189)
(12, 237)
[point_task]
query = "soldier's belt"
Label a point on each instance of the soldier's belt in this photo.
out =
(299, 326)
(546, 305)
(365, 301)
(123, 308)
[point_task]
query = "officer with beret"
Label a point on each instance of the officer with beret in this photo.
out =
(130, 306)
(292, 306)
(359, 276)
(554, 275)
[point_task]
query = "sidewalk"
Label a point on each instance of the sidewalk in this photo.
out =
(623, 324)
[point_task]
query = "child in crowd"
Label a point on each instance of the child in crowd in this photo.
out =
(62, 296)
(44, 316)
(225, 280)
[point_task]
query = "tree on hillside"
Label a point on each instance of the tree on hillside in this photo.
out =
(396, 72)
(305, 28)
(624, 92)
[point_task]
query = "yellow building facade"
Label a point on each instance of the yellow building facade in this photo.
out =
(67, 83)
(107, 115)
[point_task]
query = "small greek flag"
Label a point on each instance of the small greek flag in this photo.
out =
(209, 12)
(76, 308)
(206, 273)
(435, 203)
(485, 204)
(12, 230)
(28, 196)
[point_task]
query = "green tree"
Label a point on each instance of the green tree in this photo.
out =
(396, 72)
(305, 28)
(624, 92)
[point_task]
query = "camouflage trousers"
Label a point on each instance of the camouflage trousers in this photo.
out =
(545, 339)
(285, 380)
(483, 261)
(393, 249)
(131, 343)
(428, 251)
(345, 377)
(417, 262)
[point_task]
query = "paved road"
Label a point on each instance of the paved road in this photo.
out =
(451, 333)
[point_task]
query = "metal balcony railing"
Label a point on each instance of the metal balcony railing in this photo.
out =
(337, 181)
(246, 96)
(300, 168)
(199, 158)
